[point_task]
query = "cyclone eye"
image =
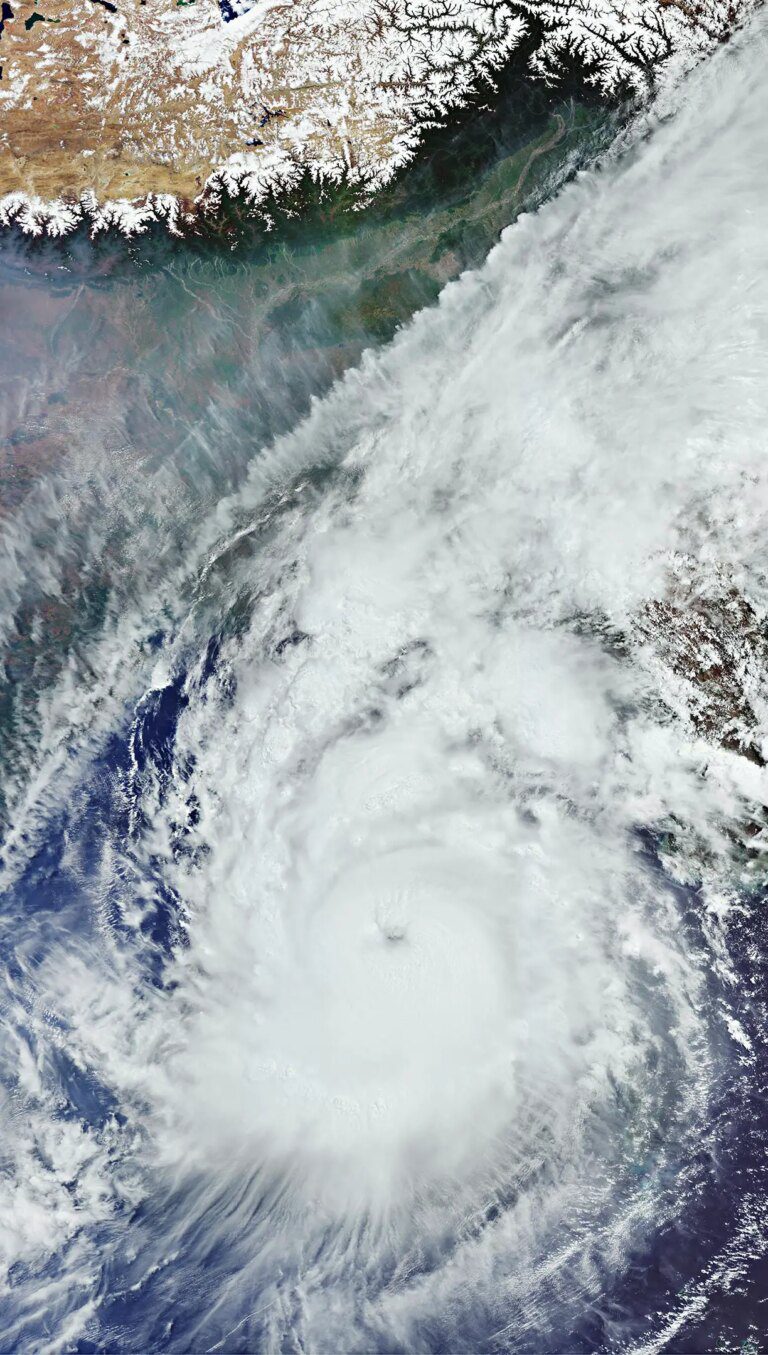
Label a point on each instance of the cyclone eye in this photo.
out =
(392, 932)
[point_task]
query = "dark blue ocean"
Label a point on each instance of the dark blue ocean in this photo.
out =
(383, 737)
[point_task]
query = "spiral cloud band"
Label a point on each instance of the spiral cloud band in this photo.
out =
(402, 997)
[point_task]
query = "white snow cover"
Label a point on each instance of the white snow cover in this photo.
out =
(441, 748)
(363, 80)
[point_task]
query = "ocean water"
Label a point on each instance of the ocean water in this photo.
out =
(382, 955)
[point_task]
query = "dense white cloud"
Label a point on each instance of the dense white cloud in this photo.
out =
(433, 1041)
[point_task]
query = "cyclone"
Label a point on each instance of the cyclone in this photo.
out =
(383, 875)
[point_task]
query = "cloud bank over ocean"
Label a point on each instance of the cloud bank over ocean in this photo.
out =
(380, 958)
